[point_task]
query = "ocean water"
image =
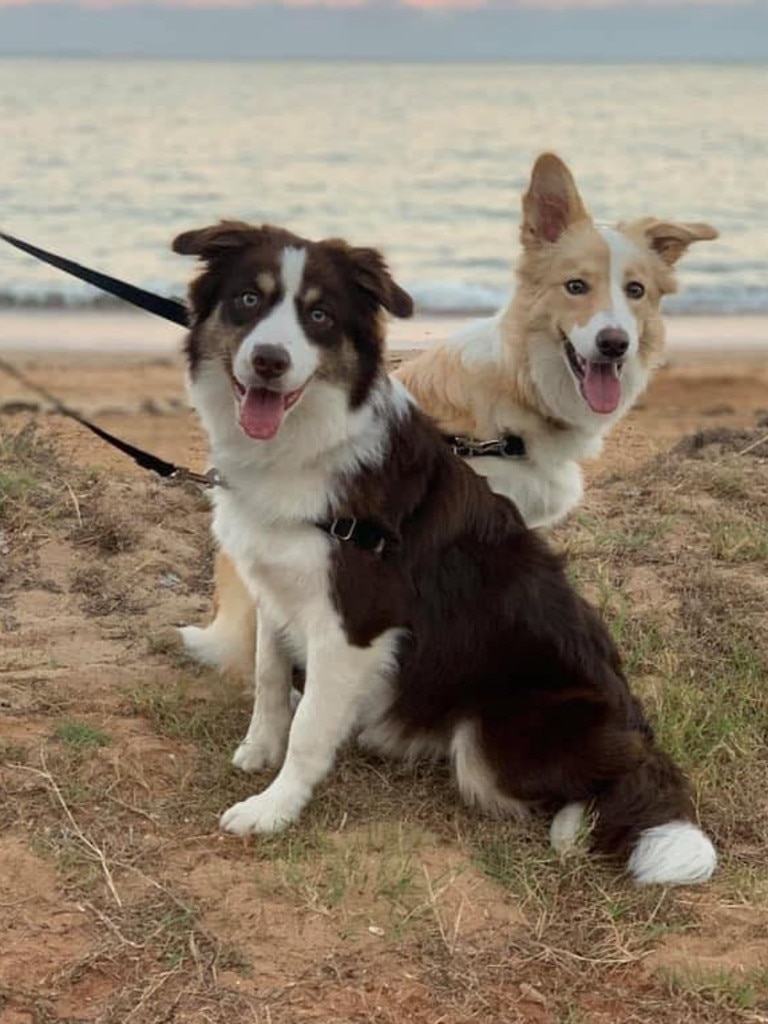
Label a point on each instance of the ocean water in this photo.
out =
(105, 161)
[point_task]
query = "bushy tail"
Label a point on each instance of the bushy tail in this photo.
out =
(647, 816)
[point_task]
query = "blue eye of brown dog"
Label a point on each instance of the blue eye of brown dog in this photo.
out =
(249, 300)
(320, 317)
(634, 290)
(576, 286)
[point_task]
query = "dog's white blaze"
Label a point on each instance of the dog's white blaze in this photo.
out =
(281, 327)
(619, 314)
(676, 853)
(622, 251)
(292, 265)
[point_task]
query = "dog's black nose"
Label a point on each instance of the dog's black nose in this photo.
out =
(270, 361)
(612, 342)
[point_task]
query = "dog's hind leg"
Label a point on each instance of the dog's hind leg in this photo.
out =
(228, 643)
(476, 778)
(338, 677)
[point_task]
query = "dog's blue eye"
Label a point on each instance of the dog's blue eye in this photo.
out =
(250, 300)
(635, 290)
(320, 317)
(576, 286)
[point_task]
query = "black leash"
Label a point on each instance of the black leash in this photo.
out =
(167, 470)
(168, 309)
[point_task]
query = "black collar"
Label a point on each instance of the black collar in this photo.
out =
(363, 533)
(510, 446)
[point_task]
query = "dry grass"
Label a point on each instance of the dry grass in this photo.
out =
(388, 902)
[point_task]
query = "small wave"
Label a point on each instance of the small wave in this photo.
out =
(456, 297)
(724, 300)
(57, 300)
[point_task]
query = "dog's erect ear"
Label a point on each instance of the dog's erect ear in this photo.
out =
(670, 239)
(372, 276)
(213, 241)
(551, 204)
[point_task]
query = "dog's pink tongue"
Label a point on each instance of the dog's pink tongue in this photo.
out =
(601, 387)
(261, 413)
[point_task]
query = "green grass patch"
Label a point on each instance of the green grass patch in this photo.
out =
(81, 735)
(15, 485)
(727, 988)
(736, 540)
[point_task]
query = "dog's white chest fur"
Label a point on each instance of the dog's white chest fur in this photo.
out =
(547, 483)
(285, 567)
(543, 498)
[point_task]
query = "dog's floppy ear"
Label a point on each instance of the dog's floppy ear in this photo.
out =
(371, 275)
(211, 244)
(552, 202)
(213, 241)
(670, 239)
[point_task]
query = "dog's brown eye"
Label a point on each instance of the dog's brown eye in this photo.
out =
(576, 286)
(635, 290)
(320, 317)
(250, 300)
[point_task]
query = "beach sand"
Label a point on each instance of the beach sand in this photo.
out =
(126, 370)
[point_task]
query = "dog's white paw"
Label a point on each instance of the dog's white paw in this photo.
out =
(264, 813)
(567, 825)
(260, 752)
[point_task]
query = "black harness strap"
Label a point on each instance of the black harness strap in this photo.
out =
(510, 446)
(168, 309)
(168, 470)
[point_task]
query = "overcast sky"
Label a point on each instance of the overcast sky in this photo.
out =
(531, 5)
(607, 30)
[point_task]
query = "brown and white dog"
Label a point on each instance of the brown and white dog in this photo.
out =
(556, 369)
(427, 617)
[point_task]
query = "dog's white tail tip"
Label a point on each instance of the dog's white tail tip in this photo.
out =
(676, 853)
(221, 648)
(202, 645)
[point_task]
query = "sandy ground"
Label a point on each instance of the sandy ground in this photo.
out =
(375, 911)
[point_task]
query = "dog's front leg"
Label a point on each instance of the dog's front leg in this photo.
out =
(338, 674)
(267, 737)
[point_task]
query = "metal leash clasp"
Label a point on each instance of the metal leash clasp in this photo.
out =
(212, 478)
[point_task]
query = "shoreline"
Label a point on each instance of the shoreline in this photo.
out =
(110, 334)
